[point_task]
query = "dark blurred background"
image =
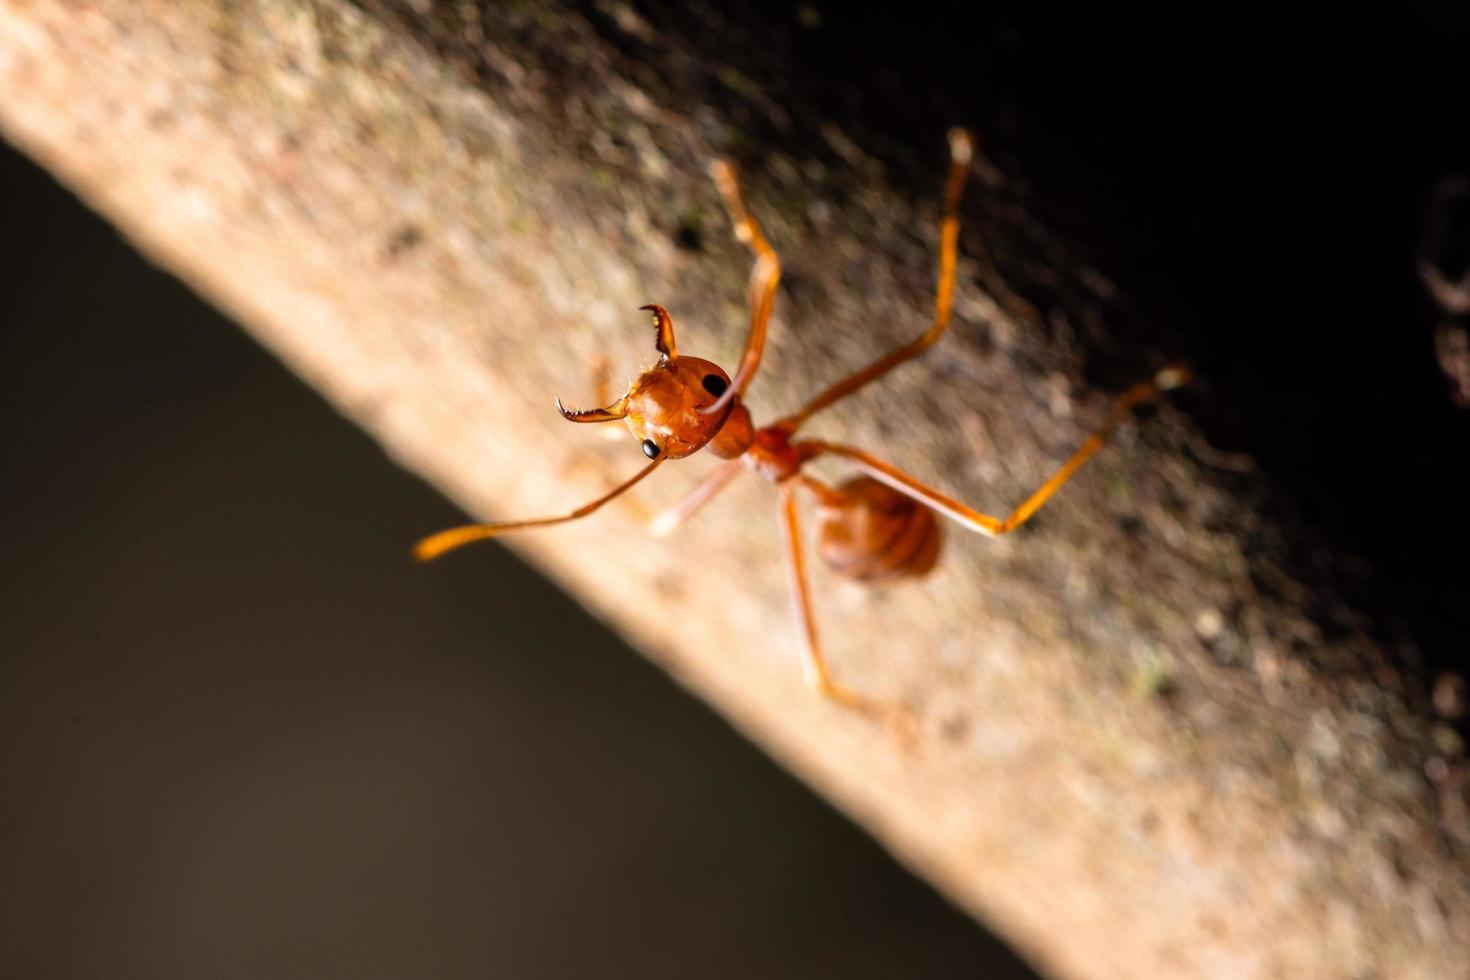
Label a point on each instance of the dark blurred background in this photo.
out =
(241, 735)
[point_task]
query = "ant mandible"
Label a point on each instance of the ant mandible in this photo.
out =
(876, 526)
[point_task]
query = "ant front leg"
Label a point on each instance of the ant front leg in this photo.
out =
(457, 537)
(765, 276)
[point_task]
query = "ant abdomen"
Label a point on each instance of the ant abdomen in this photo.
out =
(868, 531)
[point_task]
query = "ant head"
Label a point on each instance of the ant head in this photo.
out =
(662, 406)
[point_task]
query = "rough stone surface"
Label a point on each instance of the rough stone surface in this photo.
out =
(1137, 754)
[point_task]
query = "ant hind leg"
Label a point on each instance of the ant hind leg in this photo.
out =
(815, 664)
(1170, 377)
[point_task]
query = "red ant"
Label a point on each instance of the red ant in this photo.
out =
(877, 526)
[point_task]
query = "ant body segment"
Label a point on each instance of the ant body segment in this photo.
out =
(880, 525)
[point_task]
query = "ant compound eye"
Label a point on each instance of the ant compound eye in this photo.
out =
(650, 449)
(714, 384)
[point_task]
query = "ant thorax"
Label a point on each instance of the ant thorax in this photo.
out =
(773, 456)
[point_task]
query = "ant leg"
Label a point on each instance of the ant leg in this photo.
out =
(437, 544)
(1170, 377)
(673, 518)
(961, 149)
(815, 665)
(765, 275)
